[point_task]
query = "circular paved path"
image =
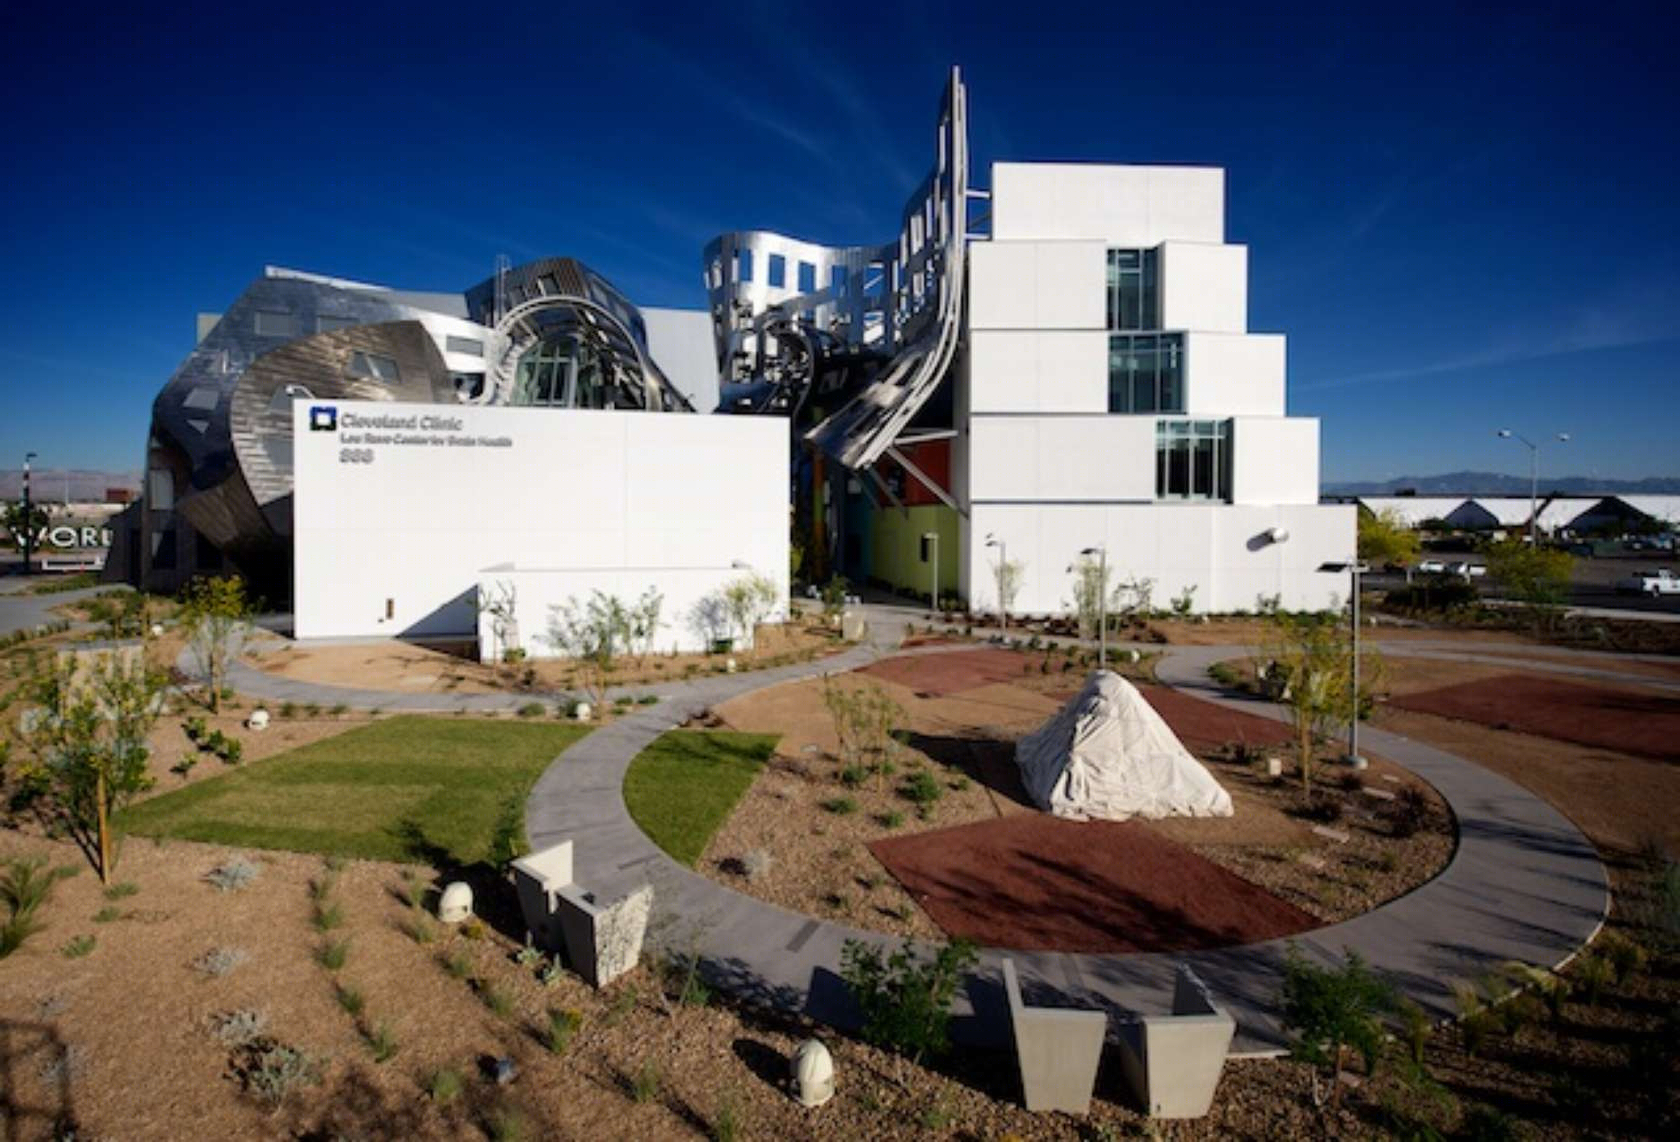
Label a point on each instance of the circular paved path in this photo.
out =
(1523, 883)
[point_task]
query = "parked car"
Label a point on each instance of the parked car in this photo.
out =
(1431, 567)
(1663, 582)
(1466, 570)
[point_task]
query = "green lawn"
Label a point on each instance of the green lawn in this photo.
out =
(405, 789)
(680, 788)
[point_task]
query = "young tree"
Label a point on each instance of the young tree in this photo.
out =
(1090, 585)
(1311, 660)
(87, 738)
(1384, 538)
(214, 610)
(500, 601)
(1007, 575)
(749, 600)
(709, 618)
(591, 633)
(1536, 576)
(905, 999)
(1333, 1009)
(644, 623)
(15, 526)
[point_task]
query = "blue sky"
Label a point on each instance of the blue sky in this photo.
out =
(1464, 216)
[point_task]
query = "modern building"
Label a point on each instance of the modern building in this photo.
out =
(1057, 368)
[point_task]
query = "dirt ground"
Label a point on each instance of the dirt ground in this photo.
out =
(821, 860)
(118, 1040)
(1638, 722)
(412, 668)
(1036, 882)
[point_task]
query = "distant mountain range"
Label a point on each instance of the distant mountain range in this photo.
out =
(1496, 484)
(48, 484)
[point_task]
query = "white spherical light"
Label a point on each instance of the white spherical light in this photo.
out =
(258, 720)
(455, 905)
(813, 1073)
(581, 711)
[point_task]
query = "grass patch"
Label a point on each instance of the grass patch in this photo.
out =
(404, 789)
(680, 789)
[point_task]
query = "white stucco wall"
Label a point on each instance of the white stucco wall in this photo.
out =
(1274, 460)
(680, 342)
(1137, 206)
(1235, 374)
(1038, 285)
(573, 500)
(1061, 458)
(1204, 287)
(1038, 370)
(1218, 549)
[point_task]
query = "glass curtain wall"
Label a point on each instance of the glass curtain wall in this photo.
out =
(546, 373)
(1146, 372)
(1193, 460)
(1134, 300)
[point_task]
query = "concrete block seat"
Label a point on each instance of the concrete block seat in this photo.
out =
(601, 941)
(1058, 1050)
(1173, 1062)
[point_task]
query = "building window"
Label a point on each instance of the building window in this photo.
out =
(807, 278)
(743, 265)
(1146, 372)
(470, 346)
(275, 324)
(778, 272)
(1134, 298)
(837, 281)
(1193, 460)
(374, 366)
(331, 323)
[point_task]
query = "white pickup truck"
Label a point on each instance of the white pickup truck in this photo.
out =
(1663, 582)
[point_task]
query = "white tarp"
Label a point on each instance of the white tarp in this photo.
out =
(1109, 756)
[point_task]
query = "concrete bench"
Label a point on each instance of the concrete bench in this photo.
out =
(1173, 1062)
(1058, 1050)
(601, 941)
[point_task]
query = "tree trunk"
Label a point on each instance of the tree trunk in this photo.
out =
(104, 830)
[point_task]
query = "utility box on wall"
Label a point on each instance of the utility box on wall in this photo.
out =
(401, 509)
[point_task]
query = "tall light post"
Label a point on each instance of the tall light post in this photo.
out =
(28, 517)
(1003, 569)
(1355, 569)
(931, 538)
(1533, 476)
(1101, 552)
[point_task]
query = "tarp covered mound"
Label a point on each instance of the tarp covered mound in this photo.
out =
(1109, 756)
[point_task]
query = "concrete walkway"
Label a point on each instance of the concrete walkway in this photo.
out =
(1524, 884)
(19, 611)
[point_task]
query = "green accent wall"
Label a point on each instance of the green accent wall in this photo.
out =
(895, 549)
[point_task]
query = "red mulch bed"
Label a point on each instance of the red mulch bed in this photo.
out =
(952, 672)
(1641, 723)
(1040, 883)
(1200, 724)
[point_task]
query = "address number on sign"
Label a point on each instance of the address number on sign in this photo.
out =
(355, 455)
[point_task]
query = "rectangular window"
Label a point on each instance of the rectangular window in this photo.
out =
(807, 278)
(329, 323)
(837, 281)
(1133, 293)
(269, 324)
(374, 366)
(1193, 460)
(778, 271)
(1145, 372)
(470, 346)
(743, 265)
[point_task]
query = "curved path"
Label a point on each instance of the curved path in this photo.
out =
(1523, 884)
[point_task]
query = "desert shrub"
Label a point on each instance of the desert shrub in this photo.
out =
(107, 914)
(852, 776)
(350, 999)
(196, 729)
(905, 999)
(890, 820)
(497, 999)
(77, 946)
(756, 864)
(1624, 956)
(276, 1071)
(561, 1029)
(507, 839)
(1321, 806)
(1415, 1029)
(184, 766)
(444, 1085)
(1477, 1028)
(1408, 813)
(339, 710)
(1432, 593)
(382, 1041)
(922, 790)
(288, 710)
(1331, 1010)
(1595, 973)
(232, 875)
(647, 1080)
(218, 962)
(419, 929)
(329, 916)
(121, 891)
(840, 806)
(238, 1028)
(25, 885)
(458, 965)
(333, 954)
(532, 710)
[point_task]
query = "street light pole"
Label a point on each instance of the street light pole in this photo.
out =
(1003, 570)
(28, 517)
(1353, 722)
(1533, 478)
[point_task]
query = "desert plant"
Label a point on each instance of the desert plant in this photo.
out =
(922, 790)
(350, 999)
(238, 1028)
(121, 891)
(532, 710)
(1415, 1028)
(852, 776)
(1624, 956)
(591, 633)
(278, 1070)
(458, 965)
(444, 1085)
(646, 1082)
(756, 864)
(497, 999)
(891, 819)
(232, 875)
(840, 806)
(329, 916)
(382, 1041)
(218, 962)
(77, 946)
(562, 1027)
(905, 999)
(1331, 1010)
(866, 721)
(1312, 657)
(213, 611)
(1184, 602)
(1595, 973)
(642, 623)
(333, 954)
(25, 885)
(107, 914)
(419, 928)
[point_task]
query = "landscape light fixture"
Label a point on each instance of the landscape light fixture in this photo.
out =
(1003, 564)
(1533, 475)
(1354, 568)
